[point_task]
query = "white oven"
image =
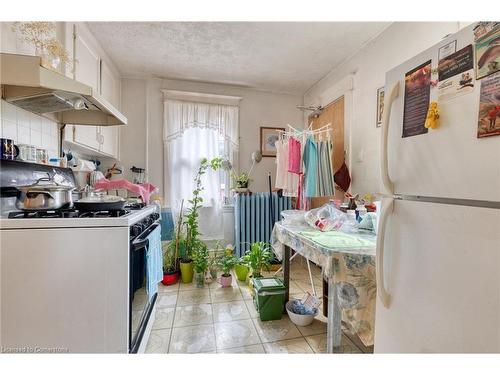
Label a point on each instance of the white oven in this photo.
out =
(66, 283)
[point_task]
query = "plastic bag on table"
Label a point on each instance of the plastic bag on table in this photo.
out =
(325, 218)
(350, 224)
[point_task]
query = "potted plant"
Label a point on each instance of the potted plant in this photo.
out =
(200, 262)
(227, 262)
(241, 180)
(258, 257)
(192, 243)
(241, 269)
(170, 272)
(213, 262)
(186, 261)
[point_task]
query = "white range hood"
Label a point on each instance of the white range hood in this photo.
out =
(28, 85)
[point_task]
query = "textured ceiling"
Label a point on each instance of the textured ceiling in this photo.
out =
(276, 56)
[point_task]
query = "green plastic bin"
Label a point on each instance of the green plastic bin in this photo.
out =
(269, 297)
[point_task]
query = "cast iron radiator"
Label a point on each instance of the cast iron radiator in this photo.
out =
(253, 219)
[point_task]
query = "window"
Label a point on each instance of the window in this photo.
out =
(192, 131)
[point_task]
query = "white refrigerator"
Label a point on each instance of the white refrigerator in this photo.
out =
(438, 250)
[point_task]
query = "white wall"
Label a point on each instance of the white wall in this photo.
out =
(398, 43)
(257, 108)
(133, 135)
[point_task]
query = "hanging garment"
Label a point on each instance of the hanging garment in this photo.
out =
(281, 164)
(311, 168)
(321, 163)
(292, 189)
(294, 156)
(342, 177)
(325, 168)
(329, 167)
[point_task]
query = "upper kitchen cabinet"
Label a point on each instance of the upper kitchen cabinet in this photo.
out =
(110, 84)
(87, 65)
(94, 68)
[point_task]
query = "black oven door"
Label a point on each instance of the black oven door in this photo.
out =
(141, 304)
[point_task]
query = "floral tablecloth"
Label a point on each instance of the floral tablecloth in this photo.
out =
(349, 259)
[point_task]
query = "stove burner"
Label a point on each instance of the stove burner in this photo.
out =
(109, 213)
(135, 206)
(66, 213)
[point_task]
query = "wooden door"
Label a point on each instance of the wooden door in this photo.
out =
(333, 113)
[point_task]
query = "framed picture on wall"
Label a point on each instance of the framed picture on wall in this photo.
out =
(268, 138)
(380, 106)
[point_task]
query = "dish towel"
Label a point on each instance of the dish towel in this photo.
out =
(143, 190)
(154, 262)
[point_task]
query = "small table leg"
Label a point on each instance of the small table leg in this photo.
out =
(334, 327)
(286, 274)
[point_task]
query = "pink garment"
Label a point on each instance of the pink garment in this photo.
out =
(143, 190)
(294, 158)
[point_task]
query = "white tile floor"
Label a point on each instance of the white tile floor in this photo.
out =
(224, 320)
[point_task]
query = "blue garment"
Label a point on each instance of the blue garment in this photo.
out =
(154, 262)
(310, 158)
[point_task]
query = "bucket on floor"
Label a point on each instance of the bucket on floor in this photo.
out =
(297, 319)
(269, 297)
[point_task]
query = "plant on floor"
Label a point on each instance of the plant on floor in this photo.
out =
(213, 261)
(241, 269)
(200, 256)
(193, 214)
(194, 247)
(170, 272)
(227, 262)
(258, 257)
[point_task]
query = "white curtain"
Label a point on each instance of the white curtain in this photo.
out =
(192, 131)
(181, 115)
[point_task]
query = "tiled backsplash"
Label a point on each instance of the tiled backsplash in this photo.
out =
(27, 128)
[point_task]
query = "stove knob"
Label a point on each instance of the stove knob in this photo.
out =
(156, 216)
(135, 230)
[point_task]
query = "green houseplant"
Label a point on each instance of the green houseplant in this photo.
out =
(200, 256)
(241, 269)
(170, 272)
(195, 249)
(227, 262)
(258, 257)
(213, 261)
(241, 180)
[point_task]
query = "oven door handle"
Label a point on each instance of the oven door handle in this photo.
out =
(142, 241)
(140, 244)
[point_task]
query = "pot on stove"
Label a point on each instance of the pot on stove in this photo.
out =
(44, 194)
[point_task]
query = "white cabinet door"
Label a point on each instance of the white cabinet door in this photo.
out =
(87, 135)
(110, 90)
(88, 61)
(86, 71)
(109, 136)
(110, 84)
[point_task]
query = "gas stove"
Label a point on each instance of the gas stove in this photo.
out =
(65, 213)
(72, 218)
(74, 213)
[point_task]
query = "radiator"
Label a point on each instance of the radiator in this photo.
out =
(253, 219)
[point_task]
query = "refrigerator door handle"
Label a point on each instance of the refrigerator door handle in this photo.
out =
(387, 184)
(386, 209)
